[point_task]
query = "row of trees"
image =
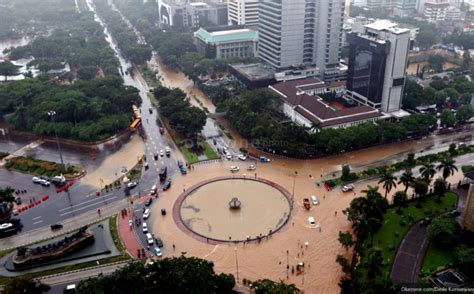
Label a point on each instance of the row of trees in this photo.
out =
(126, 38)
(86, 110)
(255, 115)
(80, 43)
(186, 119)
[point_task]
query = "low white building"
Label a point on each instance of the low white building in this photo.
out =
(227, 42)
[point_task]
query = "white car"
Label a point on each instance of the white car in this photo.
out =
(228, 156)
(130, 222)
(36, 180)
(311, 221)
(131, 185)
(153, 190)
(234, 169)
(146, 214)
(145, 228)
(347, 188)
(168, 150)
(314, 200)
(242, 157)
(45, 183)
(252, 167)
(162, 153)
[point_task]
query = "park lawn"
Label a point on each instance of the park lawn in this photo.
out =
(189, 156)
(395, 226)
(209, 152)
(435, 258)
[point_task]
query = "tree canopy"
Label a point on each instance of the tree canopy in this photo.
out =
(442, 230)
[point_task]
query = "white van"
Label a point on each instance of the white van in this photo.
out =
(314, 200)
(145, 228)
(146, 214)
(149, 239)
(311, 221)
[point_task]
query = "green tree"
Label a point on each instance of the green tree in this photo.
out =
(346, 267)
(442, 231)
(464, 113)
(389, 181)
(420, 186)
(467, 60)
(6, 201)
(410, 159)
(406, 178)
(374, 262)
(426, 39)
(464, 260)
(345, 238)
(427, 171)
(447, 165)
(399, 199)
(436, 62)
(440, 187)
(169, 275)
(23, 284)
(266, 286)
(8, 69)
(448, 119)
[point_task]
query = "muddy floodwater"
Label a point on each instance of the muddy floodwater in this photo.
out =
(263, 209)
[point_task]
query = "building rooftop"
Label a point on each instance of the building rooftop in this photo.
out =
(226, 35)
(254, 71)
(314, 108)
(386, 25)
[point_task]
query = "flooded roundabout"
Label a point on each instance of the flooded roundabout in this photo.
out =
(232, 209)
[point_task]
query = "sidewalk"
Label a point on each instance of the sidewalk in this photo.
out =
(127, 235)
(407, 264)
(69, 225)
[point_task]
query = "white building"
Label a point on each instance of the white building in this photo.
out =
(243, 12)
(377, 62)
(225, 43)
(435, 10)
(293, 33)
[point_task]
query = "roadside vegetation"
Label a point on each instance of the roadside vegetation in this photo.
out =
(35, 166)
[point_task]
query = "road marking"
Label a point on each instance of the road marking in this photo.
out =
(82, 203)
(38, 222)
(157, 169)
(36, 217)
(87, 206)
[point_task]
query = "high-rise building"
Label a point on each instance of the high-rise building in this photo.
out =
(435, 10)
(183, 13)
(377, 63)
(243, 12)
(293, 33)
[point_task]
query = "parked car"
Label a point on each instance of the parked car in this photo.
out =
(242, 157)
(162, 153)
(168, 151)
(159, 242)
(264, 159)
(36, 180)
(158, 252)
(228, 156)
(155, 155)
(55, 227)
(347, 188)
(70, 289)
(149, 239)
(183, 170)
(314, 200)
(166, 185)
(163, 173)
(45, 183)
(146, 214)
(131, 185)
(153, 190)
(234, 168)
(162, 131)
(144, 227)
(150, 110)
(311, 220)
(252, 167)
(148, 202)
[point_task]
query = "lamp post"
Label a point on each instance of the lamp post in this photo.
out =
(51, 114)
(293, 195)
(236, 264)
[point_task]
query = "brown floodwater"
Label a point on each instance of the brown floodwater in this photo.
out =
(263, 209)
(411, 69)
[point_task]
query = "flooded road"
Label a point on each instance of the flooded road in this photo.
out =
(263, 209)
(412, 67)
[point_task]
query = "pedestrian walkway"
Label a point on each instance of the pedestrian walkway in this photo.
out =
(22, 150)
(127, 235)
(407, 264)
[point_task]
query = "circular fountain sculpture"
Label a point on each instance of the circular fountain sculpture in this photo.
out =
(234, 203)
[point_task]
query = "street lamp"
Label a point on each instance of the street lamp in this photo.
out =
(51, 114)
(293, 195)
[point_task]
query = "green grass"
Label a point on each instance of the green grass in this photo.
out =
(395, 226)
(436, 258)
(189, 156)
(35, 166)
(209, 152)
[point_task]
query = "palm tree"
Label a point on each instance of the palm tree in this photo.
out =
(371, 191)
(440, 187)
(420, 186)
(427, 171)
(374, 262)
(406, 178)
(399, 199)
(448, 167)
(389, 182)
